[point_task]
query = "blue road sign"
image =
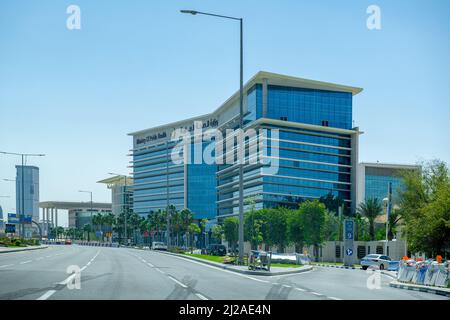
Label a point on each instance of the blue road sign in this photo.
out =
(349, 230)
(12, 218)
(98, 233)
(349, 251)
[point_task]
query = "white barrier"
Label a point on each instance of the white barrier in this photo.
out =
(428, 273)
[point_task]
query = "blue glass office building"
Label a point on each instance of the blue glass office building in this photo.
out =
(374, 179)
(305, 127)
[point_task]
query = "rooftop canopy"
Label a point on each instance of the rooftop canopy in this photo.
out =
(74, 205)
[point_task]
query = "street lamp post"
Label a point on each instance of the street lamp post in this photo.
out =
(125, 207)
(241, 125)
(22, 206)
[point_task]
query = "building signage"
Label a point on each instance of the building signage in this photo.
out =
(349, 251)
(211, 123)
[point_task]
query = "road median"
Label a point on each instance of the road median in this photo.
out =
(421, 288)
(12, 249)
(275, 271)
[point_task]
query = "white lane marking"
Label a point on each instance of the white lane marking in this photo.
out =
(334, 298)
(300, 289)
(201, 296)
(46, 295)
(70, 278)
(178, 282)
(150, 264)
(6, 266)
(160, 271)
(219, 269)
(317, 294)
(48, 256)
(28, 261)
(286, 286)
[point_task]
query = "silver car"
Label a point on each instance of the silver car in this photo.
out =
(375, 260)
(159, 246)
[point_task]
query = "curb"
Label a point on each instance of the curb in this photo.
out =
(23, 249)
(249, 272)
(415, 287)
(334, 266)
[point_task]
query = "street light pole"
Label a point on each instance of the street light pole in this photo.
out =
(241, 126)
(22, 204)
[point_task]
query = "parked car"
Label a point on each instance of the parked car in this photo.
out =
(159, 246)
(216, 250)
(68, 241)
(375, 260)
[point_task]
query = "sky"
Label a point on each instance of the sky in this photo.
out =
(76, 94)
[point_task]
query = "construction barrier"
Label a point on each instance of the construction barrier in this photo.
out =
(429, 273)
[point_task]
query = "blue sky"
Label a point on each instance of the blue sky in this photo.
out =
(74, 95)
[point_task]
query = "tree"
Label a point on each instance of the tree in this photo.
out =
(371, 209)
(296, 229)
(88, 229)
(230, 230)
(425, 208)
(217, 232)
(276, 228)
(394, 220)
(254, 226)
(193, 229)
(314, 215)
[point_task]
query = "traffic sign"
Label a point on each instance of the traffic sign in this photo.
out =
(349, 251)
(13, 218)
(349, 230)
(10, 228)
(99, 233)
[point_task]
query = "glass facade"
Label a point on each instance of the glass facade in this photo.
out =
(310, 106)
(158, 181)
(311, 161)
(377, 183)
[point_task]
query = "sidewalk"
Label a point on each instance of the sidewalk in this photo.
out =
(274, 271)
(421, 288)
(8, 250)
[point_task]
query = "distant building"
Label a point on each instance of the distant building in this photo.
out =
(374, 178)
(121, 193)
(27, 195)
(2, 222)
(79, 213)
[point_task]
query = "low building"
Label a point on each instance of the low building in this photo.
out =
(80, 213)
(374, 179)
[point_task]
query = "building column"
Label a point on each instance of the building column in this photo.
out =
(46, 221)
(354, 169)
(56, 217)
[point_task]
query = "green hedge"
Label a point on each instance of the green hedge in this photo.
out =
(16, 242)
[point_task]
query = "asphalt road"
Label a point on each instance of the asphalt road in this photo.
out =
(119, 273)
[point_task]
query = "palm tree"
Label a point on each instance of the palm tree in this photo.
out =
(394, 219)
(88, 229)
(186, 217)
(371, 209)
